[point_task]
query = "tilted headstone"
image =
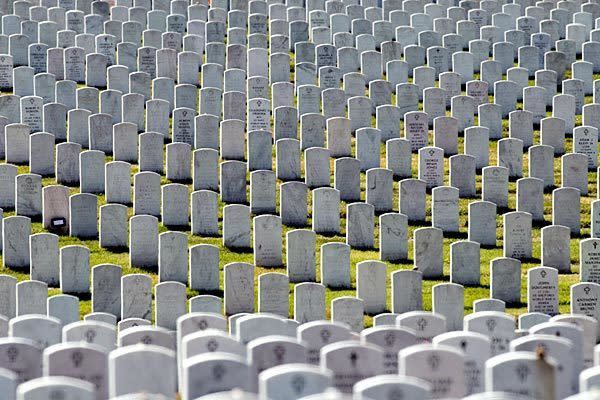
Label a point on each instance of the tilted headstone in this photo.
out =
(31, 297)
(428, 251)
(464, 262)
(136, 296)
(412, 199)
(360, 225)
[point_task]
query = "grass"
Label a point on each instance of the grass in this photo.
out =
(99, 255)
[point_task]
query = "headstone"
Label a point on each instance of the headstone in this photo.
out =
(465, 262)
(31, 297)
(517, 234)
(428, 251)
(445, 208)
(44, 259)
(238, 288)
(15, 243)
(542, 290)
(300, 250)
(236, 226)
(273, 293)
(476, 348)
(360, 224)
(351, 363)
(431, 166)
(446, 381)
(106, 289)
(142, 356)
(505, 283)
(267, 241)
(309, 302)
(83, 210)
(510, 367)
(566, 208)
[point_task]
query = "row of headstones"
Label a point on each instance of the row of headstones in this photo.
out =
(454, 364)
(567, 50)
(50, 87)
(70, 64)
(97, 132)
(581, 17)
(93, 175)
(317, 14)
(103, 8)
(289, 382)
(100, 132)
(332, 394)
(212, 98)
(316, 24)
(243, 5)
(71, 166)
(99, 113)
(39, 150)
(92, 65)
(430, 162)
(542, 43)
(77, 215)
(292, 21)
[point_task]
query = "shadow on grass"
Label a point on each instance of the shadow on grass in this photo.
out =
(569, 272)
(473, 285)
(518, 304)
(419, 224)
(81, 296)
(240, 250)
(117, 250)
(532, 260)
(178, 228)
(579, 235)
(503, 210)
(455, 235)
(329, 234)
(219, 293)
(549, 189)
(540, 224)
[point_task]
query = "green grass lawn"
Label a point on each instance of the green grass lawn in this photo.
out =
(99, 255)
